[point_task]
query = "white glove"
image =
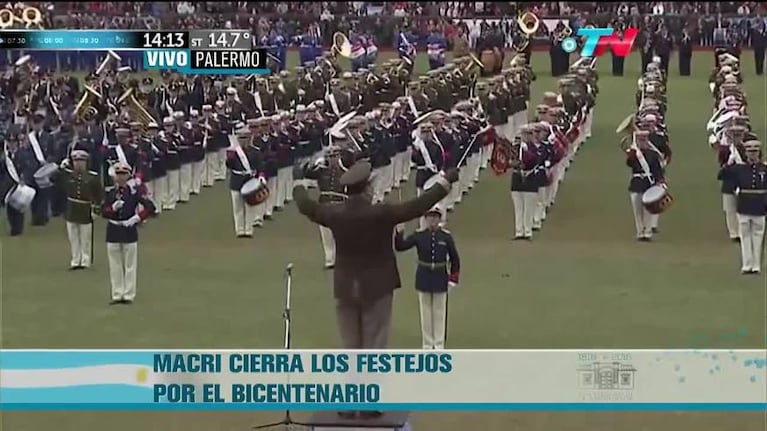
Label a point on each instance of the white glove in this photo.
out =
(451, 286)
(547, 164)
(263, 180)
(400, 227)
(133, 221)
(117, 205)
(64, 164)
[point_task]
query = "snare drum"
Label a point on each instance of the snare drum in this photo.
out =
(20, 197)
(43, 175)
(657, 199)
(254, 192)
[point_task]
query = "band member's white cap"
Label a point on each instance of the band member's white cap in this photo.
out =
(178, 115)
(231, 91)
(649, 118)
(300, 108)
(194, 113)
(396, 105)
(122, 168)
(276, 117)
(167, 121)
(220, 103)
(152, 125)
(207, 108)
(346, 75)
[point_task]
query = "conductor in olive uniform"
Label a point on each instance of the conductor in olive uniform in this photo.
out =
(366, 274)
(750, 179)
(436, 251)
(84, 193)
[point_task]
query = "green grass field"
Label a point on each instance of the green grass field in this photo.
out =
(583, 283)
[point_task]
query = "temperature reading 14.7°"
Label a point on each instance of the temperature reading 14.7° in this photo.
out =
(226, 40)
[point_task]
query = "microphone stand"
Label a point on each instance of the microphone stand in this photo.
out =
(287, 420)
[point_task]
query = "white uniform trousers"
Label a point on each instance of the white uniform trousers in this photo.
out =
(587, 123)
(477, 164)
(520, 118)
(433, 310)
(158, 192)
(642, 218)
(185, 182)
(465, 177)
(243, 214)
(209, 169)
(454, 197)
(540, 213)
(751, 238)
(389, 171)
(123, 265)
(729, 204)
(171, 197)
(271, 201)
(197, 170)
(328, 245)
(487, 152)
(378, 183)
(525, 206)
(396, 167)
(221, 164)
(284, 185)
(406, 161)
(80, 243)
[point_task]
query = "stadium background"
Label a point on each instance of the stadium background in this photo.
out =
(584, 282)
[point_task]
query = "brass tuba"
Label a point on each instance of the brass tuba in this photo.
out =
(31, 17)
(341, 45)
(135, 108)
(86, 102)
(528, 23)
(564, 34)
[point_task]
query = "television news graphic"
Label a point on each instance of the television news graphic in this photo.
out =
(597, 40)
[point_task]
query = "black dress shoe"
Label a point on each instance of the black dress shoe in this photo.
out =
(518, 237)
(528, 238)
(735, 239)
(371, 414)
(115, 301)
(347, 415)
(127, 302)
(242, 236)
(655, 230)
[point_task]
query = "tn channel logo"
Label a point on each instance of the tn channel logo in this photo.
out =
(597, 40)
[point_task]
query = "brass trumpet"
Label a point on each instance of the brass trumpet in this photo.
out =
(528, 23)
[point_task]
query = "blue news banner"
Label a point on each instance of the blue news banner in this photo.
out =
(200, 62)
(37, 380)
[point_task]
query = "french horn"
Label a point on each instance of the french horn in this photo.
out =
(341, 45)
(528, 23)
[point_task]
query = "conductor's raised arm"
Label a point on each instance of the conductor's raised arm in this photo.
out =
(306, 205)
(406, 211)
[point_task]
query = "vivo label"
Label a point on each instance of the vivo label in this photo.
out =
(165, 59)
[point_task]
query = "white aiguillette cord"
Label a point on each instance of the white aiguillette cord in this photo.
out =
(243, 159)
(36, 148)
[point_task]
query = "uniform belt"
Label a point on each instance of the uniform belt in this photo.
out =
(241, 172)
(753, 191)
(172, 152)
(641, 175)
(433, 265)
(334, 194)
(79, 201)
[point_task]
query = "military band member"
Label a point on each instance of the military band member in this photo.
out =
(524, 187)
(182, 133)
(84, 193)
(19, 165)
(646, 171)
(729, 154)
(750, 179)
(172, 163)
(327, 172)
(40, 142)
(157, 189)
(244, 163)
(226, 128)
(210, 138)
(436, 252)
(121, 209)
(198, 151)
(285, 144)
